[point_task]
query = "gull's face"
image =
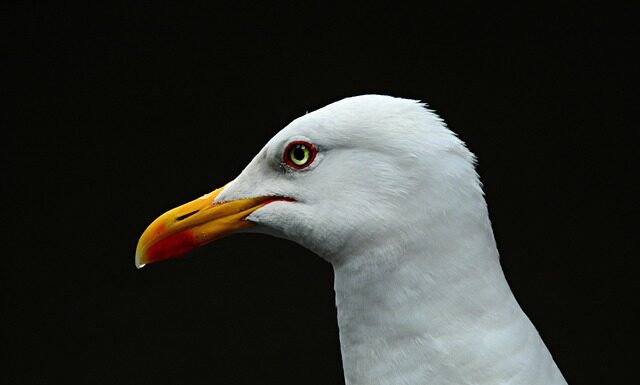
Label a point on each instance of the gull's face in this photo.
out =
(342, 189)
(326, 181)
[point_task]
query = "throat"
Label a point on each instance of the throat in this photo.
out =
(409, 316)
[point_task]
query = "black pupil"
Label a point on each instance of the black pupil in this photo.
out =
(298, 152)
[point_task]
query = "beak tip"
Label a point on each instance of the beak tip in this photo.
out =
(140, 263)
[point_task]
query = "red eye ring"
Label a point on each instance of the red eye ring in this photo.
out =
(299, 154)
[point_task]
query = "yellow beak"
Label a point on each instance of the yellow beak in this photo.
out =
(194, 224)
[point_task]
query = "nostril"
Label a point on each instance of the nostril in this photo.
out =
(187, 215)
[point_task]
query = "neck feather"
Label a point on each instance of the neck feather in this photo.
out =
(435, 312)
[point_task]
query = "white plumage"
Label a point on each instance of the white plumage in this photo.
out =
(393, 202)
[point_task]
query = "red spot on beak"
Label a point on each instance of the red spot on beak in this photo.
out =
(172, 246)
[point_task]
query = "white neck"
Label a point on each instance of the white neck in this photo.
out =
(440, 314)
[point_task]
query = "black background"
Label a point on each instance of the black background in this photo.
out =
(122, 111)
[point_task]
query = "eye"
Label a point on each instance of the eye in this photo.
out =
(299, 154)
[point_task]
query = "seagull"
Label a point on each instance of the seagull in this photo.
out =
(383, 190)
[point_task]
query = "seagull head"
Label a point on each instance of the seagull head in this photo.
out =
(349, 175)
